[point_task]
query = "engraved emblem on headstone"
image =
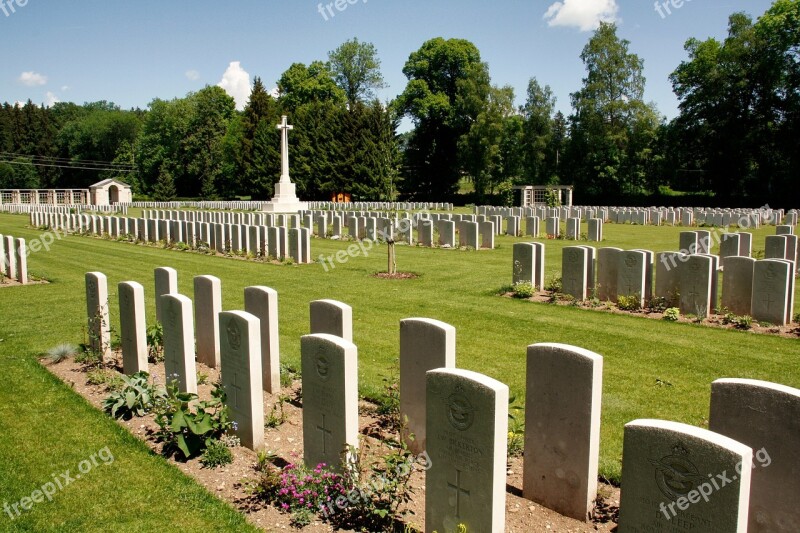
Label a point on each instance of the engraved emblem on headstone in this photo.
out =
(234, 335)
(460, 411)
(630, 261)
(323, 368)
(675, 474)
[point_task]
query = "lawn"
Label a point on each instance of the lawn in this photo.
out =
(652, 369)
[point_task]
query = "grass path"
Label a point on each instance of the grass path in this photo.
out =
(45, 428)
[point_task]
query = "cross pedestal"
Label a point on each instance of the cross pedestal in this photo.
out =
(285, 199)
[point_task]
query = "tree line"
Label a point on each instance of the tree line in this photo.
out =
(736, 134)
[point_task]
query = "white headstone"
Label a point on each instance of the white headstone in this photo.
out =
(240, 359)
(179, 341)
(766, 417)
(208, 304)
(425, 344)
(330, 398)
(97, 313)
(562, 421)
(681, 477)
(332, 317)
(467, 426)
(133, 329)
(262, 302)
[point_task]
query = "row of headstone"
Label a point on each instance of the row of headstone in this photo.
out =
(461, 423)
(243, 344)
(259, 205)
(258, 241)
(742, 218)
(14, 258)
(29, 208)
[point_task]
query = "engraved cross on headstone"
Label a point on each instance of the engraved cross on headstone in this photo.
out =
(459, 492)
(235, 389)
(325, 434)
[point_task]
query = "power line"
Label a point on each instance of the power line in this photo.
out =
(32, 164)
(50, 159)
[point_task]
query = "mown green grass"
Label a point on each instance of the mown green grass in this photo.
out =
(652, 369)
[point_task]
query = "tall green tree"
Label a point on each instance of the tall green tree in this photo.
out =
(302, 84)
(448, 88)
(538, 133)
(356, 69)
(610, 119)
(740, 103)
(260, 145)
(481, 148)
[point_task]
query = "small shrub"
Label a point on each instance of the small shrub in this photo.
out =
(672, 314)
(797, 318)
(89, 357)
(657, 304)
(155, 343)
(516, 428)
(101, 376)
(216, 454)
(277, 416)
(739, 322)
(523, 290)
(61, 352)
(135, 397)
(629, 303)
(554, 285)
(288, 375)
(188, 425)
(202, 378)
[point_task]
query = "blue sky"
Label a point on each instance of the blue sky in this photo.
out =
(131, 51)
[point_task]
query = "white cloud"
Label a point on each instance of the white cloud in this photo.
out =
(32, 79)
(192, 75)
(236, 82)
(65, 88)
(583, 14)
(50, 99)
(275, 92)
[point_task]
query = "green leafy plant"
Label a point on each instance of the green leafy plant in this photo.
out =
(103, 376)
(277, 415)
(288, 375)
(523, 290)
(516, 428)
(389, 402)
(629, 303)
(554, 284)
(155, 343)
(136, 397)
(739, 322)
(383, 487)
(657, 304)
(61, 352)
(672, 314)
(202, 378)
(216, 454)
(187, 424)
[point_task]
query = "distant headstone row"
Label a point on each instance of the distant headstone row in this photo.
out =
(14, 258)
(689, 279)
(657, 216)
(673, 474)
(65, 209)
(336, 206)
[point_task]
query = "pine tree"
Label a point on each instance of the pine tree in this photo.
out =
(164, 190)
